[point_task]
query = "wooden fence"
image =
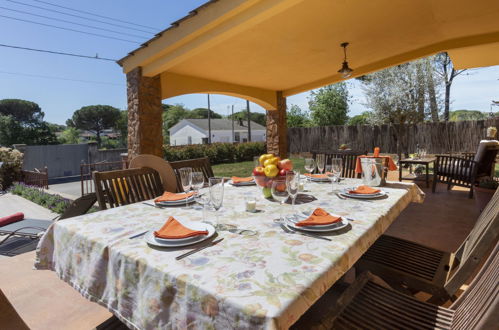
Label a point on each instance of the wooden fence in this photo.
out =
(442, 137)
(36, 178)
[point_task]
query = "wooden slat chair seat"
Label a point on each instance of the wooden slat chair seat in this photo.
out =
(410, 267)
(198, 165)
(123, 187)
(349, 159)
(368, 304)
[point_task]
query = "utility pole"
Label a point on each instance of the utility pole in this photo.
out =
(233, 137)
(249, 121)
(209, 120)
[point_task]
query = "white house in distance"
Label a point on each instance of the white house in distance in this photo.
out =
(195, 131)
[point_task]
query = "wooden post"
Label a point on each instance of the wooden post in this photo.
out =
(145, 124)
(277, 128)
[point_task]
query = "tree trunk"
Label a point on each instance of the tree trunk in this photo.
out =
(97, 138)
(447, 100)
(420, 91)
(431, 93)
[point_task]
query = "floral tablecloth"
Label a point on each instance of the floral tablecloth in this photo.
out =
(263, 281)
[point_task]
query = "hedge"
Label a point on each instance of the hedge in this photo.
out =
(55, 203)
(217, 152)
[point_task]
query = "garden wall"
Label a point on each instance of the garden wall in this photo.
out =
(442, 137)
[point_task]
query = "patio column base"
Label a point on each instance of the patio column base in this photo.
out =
(145, 135)
(277, 128)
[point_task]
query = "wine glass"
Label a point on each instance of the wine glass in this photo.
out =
(309, 165)
(321, 162)
(216, 192)
(279, 193)
(293, 185)
(197, 182)
(256, 161)
(185, 179)
(336, 168)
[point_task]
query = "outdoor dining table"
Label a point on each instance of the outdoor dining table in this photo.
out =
(267, 280)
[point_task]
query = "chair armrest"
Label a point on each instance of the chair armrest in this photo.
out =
(454, 163)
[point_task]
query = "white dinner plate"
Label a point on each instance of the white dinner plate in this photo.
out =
(362, 196)
(242, 184)
(291, 222)
(175, 203)
(178, 242)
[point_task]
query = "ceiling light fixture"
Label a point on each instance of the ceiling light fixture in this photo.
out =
(345, 69)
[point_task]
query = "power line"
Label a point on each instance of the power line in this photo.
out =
(78, 16)
(68, 29)
(101, 16)
(59, 53)
(65, 21)
(61, 78)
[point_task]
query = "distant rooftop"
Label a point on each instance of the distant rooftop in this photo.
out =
(224, 124)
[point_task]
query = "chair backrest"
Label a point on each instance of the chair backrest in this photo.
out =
(122, 187)
(478, 306)
(163, 167)
(470, 254)
(79, 206)
(349, 158)
(485, 156)
(197, 165)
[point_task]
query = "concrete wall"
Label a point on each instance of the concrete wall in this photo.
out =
(63, 160)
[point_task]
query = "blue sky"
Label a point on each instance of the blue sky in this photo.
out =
(105, 82)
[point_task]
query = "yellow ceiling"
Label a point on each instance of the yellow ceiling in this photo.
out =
(294, 45)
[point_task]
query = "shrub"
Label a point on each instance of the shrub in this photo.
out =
(55, 203)
(10, 171)
(217, 152)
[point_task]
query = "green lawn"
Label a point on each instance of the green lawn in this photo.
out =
(245, 168)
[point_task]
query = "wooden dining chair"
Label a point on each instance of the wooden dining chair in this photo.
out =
(122, 187)
(411, 267)
(369, 304)
(348, 157)
(163, 167)
(197, 165)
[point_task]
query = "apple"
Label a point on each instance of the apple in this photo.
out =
(283, 172)
(271, 170)
(258, 171)
(267, 192)
(285, 164)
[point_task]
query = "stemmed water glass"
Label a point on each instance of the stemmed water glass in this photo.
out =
(309, 165)
(280, 194)
(186, 180)
(336, 168)
(197, 182)
(292, 186)
(216, 192)
(321, 162)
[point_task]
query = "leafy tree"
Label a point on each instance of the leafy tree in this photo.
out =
(95, 118)
(459, 115)
(202, 113)
(70, 135)
(329, 105)
(296, 117)
(25, 125)
(172, 114)
(257, 117)
(362, 119)
(121, 126)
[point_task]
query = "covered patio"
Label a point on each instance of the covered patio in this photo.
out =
(265, 51)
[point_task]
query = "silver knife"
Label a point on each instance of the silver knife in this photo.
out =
(198, 249)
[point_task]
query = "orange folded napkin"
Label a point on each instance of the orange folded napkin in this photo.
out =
(236, 179)
(317, 176)
(319, 217)
(170, 197)
(364, 190)
(4, 221)
(174, 229)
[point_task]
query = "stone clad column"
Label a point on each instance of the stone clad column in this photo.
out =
(277, 128)
(145, 134)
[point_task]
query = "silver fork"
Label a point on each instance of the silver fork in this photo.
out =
(291, 231)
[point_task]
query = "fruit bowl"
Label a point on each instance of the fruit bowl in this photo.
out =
(266, 183)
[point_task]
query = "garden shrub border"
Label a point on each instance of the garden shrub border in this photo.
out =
(53, 202)
(218, 153)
